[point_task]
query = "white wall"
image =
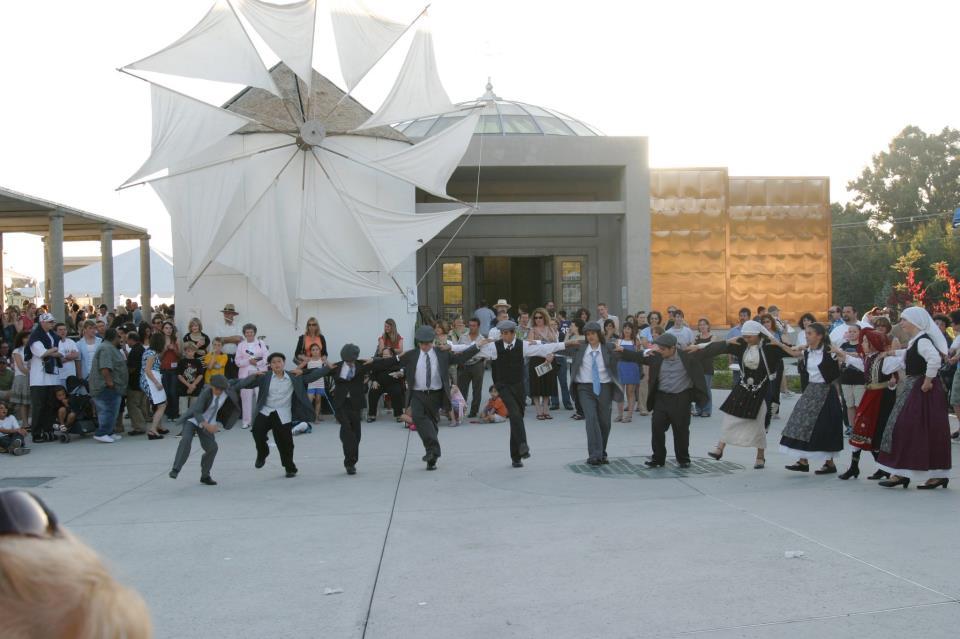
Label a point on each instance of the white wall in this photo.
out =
(356, 320)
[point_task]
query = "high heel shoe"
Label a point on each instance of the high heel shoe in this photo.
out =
(759, 464)
(853, 471)
(716, 453)
(152, 436)
(893, 483)
(880, 474)
(937, 483)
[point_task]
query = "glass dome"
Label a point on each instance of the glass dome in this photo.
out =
(501, 117)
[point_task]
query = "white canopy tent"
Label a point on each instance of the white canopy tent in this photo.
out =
(88, 281)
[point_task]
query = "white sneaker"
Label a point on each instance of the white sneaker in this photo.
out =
(116, 437)
(245, 426)
(103, 439)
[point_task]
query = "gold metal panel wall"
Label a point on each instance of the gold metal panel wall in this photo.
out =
(720, 243)
(779, 253)
(688, 243)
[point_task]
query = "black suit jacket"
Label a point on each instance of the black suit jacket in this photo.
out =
(350, 394)
(692, 362)
(445, 359)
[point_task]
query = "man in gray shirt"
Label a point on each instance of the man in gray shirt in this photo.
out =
(108, 385)
(486, 317)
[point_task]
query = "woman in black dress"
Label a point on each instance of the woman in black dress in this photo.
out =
(541, 386)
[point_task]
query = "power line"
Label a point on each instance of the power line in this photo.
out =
(914, 218)
(895, 243)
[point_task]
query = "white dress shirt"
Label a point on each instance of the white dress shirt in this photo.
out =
(347, 371)
(421, 382)
(210, 415)
(814, 359)
(927, 351)
(66, 347)
(278, 398)
(489, 350)
(585, 374)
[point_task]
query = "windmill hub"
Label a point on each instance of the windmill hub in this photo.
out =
(312, 134)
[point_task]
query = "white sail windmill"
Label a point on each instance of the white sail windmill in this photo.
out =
(291, 142)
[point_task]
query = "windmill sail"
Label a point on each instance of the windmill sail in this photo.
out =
(288, 29)
(363, 37)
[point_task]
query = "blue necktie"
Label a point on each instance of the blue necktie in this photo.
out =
(596, 373)
(349, 372)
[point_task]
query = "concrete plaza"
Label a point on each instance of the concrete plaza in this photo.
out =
(479, 549)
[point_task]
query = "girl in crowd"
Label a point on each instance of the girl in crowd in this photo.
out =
(646, 335)
(773, 390)
(805, 320)
(251, 358)
(583, 315)
(316, 389)
(916, 442)
(814, 431)
(883, 325)
(214, 362)
(20, 396)
(609, 330)
(746, 416)
(311, 336)
(390, 339)
(151, 383)
(879, 396)
(541, 386)
(12, 324)
(197, 337)
(704, 336)
(629, 374)
(87, 344)
(169, 358)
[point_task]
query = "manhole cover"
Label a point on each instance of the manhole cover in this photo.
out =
(633, 467)
(23, 482)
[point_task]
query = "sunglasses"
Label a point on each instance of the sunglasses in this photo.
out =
(23, 513)
(312, 324)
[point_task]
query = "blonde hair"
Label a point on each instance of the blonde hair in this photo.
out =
(59, 587)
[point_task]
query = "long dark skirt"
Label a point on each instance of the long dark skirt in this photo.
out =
(917, 444)
(815, 429)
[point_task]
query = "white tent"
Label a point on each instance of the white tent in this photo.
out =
(88, 281)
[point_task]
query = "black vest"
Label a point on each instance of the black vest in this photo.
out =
(508, 367)
(915, 365)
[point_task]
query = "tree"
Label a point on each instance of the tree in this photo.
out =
(861, 260)
(918, 176)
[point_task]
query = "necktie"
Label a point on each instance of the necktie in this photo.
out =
(349, 372)
(596, 373)
(429, 381)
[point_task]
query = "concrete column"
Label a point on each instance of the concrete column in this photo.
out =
(3, 288)
(106, 266)
(54, 275)
(146, 291)
(635, 235)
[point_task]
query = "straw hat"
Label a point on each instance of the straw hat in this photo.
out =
(502, 303)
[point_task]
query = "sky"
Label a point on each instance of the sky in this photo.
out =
(763, 88)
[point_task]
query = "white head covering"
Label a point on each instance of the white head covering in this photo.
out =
(751, 327)
(920, 318)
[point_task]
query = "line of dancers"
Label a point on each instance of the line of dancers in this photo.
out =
(908, 433)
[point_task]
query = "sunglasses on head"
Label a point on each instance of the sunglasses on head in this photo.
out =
(23, 513)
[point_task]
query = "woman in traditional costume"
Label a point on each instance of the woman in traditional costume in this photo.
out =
(814, 432)
(916, 442)
(746, 416)
(879, 395)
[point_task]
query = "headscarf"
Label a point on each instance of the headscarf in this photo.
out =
(920, 318)
(878, 340)
(751, 327)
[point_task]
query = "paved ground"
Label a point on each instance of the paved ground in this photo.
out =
(478, 549)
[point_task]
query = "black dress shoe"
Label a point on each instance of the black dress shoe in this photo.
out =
(351, 470)
(594, 462)
(652, 463)
(291, 473)
(798, 467)
(173, 474)
(208, 481)
(260, 462)
(880, 474)
(424, 458)
(524, 451)
(684, 464)
(517, 463)
(431, 464)
(826, 469)
(936, 483)
(893, 483)
(604, 460)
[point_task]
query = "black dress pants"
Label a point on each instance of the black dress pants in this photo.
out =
(349, 419)
(424, 408)
(282, 436)
(514, 398)
(42, 410)
(671, 409)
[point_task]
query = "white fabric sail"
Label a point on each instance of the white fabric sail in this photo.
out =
(430, 163)
(217, 49)
(288, 29)
(183, 127)
(398, 234)
(417, 91)
(247, 253)
(363, 37)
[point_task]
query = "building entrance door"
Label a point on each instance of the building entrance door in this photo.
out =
(519, 280)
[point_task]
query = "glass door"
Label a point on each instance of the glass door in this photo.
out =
(453, 273)
(570, 278)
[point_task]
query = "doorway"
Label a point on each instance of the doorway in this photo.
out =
(520, 280)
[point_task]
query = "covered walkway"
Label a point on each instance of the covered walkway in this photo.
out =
(57, 223)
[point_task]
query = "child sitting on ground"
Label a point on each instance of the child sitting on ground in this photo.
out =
(495, 411)
(12, 435)
(66, 414)
(458, 406)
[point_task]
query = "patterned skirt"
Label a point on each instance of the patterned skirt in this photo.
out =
(815, 428)
(916, 442)
(871, 418)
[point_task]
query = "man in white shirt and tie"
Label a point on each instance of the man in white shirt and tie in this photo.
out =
(427, 371)
(507, 363)
(217, 406)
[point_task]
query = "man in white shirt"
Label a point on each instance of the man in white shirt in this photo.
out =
(507, 355)
(838, 335)
(217, 406)
(231, 335)
(69, 354)
(680, 330)
(44, 376)
(603, 315)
